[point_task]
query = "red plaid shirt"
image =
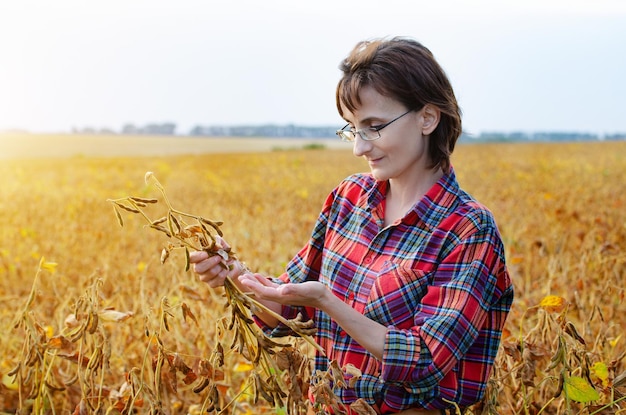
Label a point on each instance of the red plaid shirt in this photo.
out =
(437, 279)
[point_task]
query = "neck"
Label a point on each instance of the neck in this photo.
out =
(403, 195)
(409, 192)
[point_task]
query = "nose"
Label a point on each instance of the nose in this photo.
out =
(360, 146)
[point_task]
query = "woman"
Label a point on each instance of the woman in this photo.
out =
(404, 273)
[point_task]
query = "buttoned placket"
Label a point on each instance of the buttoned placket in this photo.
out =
(367, 266)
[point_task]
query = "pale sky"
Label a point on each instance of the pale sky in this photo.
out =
(529, 65)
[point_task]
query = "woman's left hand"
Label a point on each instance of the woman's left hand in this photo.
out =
(310, 293)
(368, 333)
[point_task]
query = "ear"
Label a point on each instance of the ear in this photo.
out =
(431, 115)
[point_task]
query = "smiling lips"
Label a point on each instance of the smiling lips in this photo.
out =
(374, 161)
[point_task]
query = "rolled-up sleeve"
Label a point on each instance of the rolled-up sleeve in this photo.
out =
(450, 316)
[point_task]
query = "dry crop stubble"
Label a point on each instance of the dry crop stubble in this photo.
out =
(559, 207)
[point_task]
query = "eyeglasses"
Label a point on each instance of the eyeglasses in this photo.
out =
(367, 134)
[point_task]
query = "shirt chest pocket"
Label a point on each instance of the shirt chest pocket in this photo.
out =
(395, 296)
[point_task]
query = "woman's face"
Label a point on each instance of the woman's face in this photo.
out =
(401, 152)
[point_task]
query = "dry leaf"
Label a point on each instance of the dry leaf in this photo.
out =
(360, 407)
(59, 342)
(187, 313)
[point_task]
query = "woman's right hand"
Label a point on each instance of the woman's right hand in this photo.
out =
(213, 269)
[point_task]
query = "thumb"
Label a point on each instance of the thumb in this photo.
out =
(221, 243)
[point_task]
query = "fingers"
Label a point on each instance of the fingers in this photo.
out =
(256, 281)
(197, 256)
(246, 279)
(210, 269)
(264, 280)
(262, 287)
(204, 263)
(250, 283)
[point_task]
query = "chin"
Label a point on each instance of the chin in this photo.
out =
(380, 175)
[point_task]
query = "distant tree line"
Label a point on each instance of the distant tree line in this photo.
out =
(541, 136)
(268, 130)
(167, 128)
(131, 129)
(299, 131)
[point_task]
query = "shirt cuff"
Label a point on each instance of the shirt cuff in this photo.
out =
(401, 354)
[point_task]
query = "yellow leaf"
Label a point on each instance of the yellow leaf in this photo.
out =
(243, 367)
(613, 342)
(600, 370)
(577, 389)
(553, 303)
(9, 382)
(49, 331)
(517, 259)
(51, 267)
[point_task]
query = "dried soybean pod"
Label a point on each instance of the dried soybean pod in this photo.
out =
(143, 199)
(127, 208)
(54, 388)
(71, 380)
(165, 253)
(559, 388)
(92, 322)
(214, 224)
(94, 359)
(201, 385)
(213, 398)
(255, 390)
(118, 216)
(161, 229)
(176, 223)
(159, 221)
(13, 371)
(220, 355)
(261, 388)
(170, 223)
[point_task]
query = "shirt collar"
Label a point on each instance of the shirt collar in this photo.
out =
(431, 208)
(439, 200)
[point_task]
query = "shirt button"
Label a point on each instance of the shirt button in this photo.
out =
(350, 296)
(368, 260)
(342, 333)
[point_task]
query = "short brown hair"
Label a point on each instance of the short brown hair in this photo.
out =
(405, 70)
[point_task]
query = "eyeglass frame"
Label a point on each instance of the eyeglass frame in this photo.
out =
(341, 133)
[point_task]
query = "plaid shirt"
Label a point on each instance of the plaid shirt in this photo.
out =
(436, 278)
